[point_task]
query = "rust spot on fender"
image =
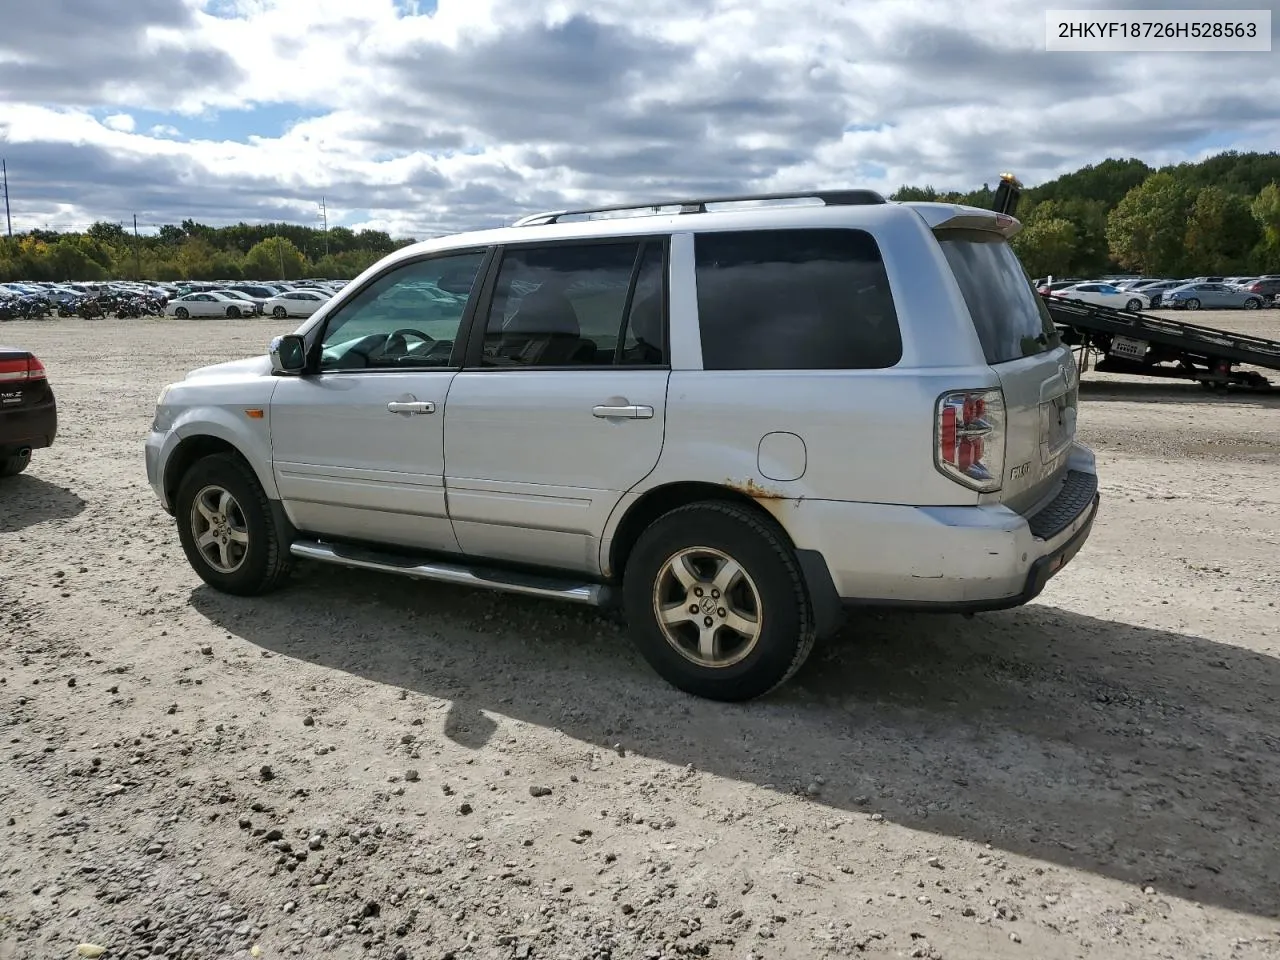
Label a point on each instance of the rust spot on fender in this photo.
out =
(755, 490)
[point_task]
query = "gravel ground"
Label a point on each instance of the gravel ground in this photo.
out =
(361, 766)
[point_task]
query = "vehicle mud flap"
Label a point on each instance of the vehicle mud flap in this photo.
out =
(288, 532)
(828, 610)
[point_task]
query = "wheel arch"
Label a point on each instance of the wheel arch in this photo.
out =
(190, 450)
(652, 504)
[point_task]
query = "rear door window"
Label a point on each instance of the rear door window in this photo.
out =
(578, 305)
(1011, 319)
(795, 300)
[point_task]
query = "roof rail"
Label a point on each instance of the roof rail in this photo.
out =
(831, 198)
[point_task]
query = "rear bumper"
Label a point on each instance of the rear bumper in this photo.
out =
(34, 426)
(945, 559)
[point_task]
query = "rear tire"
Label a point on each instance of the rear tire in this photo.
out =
(14, 464)
(752, 630)
(279, 313)
(227, 529)
(181, 313)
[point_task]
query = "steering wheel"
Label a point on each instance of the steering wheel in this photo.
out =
(400, 339)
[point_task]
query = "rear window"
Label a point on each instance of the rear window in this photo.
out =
(1011, 318)
(794, 300)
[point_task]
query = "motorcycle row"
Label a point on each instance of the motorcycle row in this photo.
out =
(120, 306)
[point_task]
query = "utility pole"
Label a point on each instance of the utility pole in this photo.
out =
(137, 261)
(324, 212)
(4, 166)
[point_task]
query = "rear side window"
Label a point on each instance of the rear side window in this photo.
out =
(795, 300)
(1011, 318)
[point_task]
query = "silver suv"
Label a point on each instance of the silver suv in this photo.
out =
(730, 420)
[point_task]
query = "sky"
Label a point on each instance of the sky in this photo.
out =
(422, 117)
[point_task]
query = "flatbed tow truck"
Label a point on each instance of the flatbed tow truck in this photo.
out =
(1134, 343)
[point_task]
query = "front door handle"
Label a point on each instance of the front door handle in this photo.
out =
(629, 411)
(411, 406)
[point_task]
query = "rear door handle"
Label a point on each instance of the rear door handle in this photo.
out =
(630, 411)
(411, 406)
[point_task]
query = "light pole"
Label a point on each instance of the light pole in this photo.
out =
(4, 166)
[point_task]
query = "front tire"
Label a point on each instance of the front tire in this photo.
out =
(1193, 304)
(227, 529)
(1252, 304)
(1133, 306)
(753, 626)
(233, 313)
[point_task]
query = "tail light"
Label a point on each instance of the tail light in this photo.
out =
(24, 369)
(969, 436)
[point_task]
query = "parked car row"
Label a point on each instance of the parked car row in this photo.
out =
(35, 301)
(232, 303)
(1212, 293)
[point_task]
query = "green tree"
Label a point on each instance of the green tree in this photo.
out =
(345, 266)
(107, 233)
(68, 260)
(268, 258)
(1106, 182)
(195, 258)
(1266, 211)
(1046, 245)
(1090, 254)
(1147, 229)
(1221, 231)
(919, 194)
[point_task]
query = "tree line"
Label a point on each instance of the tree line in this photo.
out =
(1216, 216)
(194, 251)
(1219, 216)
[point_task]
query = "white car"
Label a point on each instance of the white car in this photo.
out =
(258, 303)
(730, 424)
(296, 303)
(1105, 295)
(208, 305)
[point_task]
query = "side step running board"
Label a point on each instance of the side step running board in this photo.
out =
(532, 585)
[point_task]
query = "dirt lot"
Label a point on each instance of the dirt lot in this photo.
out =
(345, 768)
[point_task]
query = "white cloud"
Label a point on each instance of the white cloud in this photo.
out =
(486, 108)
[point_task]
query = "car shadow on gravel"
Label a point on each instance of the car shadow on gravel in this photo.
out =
(1147, 756)
(26, 500)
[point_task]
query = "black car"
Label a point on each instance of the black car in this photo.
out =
(28, 411)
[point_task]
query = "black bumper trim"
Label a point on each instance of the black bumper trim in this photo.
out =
(1042, 571)
(1078, 491)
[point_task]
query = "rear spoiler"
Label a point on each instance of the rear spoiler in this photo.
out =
(955, 216)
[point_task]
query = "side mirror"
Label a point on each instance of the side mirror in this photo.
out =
(288, 354)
